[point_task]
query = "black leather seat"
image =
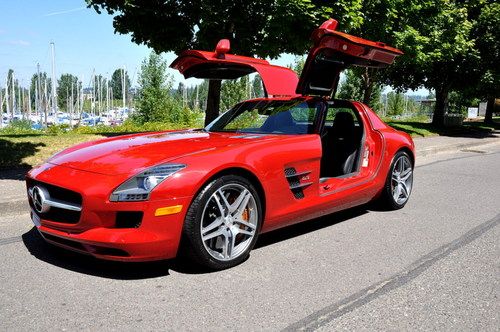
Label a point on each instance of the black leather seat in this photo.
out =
(340, 146)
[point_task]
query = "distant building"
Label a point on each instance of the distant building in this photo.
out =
(87, 93)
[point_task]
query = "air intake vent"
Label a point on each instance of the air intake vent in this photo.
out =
(128, 219)
(293, 179)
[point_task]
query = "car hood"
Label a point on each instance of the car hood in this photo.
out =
(131, 154)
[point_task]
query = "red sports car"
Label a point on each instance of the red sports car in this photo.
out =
(266, 163)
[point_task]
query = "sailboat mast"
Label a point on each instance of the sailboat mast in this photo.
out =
(37, 101)
(7, 95)
(123, 86)
(72, 105)
(29, 102)
(54, 83)
(107, 96)
(45, 103)
(99, 96)
(93, 93)
(13, 96)
(22, 100)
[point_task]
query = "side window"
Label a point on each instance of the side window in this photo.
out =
(303, 114)
(250, 120)
(297, 118)
(332, 112)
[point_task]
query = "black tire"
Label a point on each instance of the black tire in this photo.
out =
(193, 246)
(386, 200)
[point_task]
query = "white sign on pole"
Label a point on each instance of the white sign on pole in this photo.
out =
(472, 112)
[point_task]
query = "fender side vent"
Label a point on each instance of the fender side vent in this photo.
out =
(293, 179)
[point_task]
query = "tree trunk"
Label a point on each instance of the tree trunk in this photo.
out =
(441, 107)
(488, 117)
(367, 86)
(213, 101)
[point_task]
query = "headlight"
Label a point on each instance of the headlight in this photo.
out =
(140, 186)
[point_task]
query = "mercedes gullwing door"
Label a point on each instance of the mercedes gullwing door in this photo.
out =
(334, 51)
(278, 81)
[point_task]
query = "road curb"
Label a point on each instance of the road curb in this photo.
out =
(424, 152)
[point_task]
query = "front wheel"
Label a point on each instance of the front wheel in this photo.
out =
(399, 182)
(222, 223)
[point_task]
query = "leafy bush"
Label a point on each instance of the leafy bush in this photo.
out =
(57, 129)
(18, 127)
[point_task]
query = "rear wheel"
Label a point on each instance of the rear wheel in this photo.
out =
(222, 223)
(399, 182)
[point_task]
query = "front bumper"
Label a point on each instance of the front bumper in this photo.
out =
(96, 234)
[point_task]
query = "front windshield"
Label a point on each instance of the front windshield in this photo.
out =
(269, 117)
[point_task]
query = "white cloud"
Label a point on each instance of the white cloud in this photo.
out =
(19, 42)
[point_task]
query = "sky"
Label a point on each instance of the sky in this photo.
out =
(84, 41)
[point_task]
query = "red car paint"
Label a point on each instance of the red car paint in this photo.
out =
(95, 169)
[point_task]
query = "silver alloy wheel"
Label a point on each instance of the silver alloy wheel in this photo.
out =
(402, 179)
(229, 222)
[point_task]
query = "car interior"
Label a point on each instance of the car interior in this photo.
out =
(341, 141)
(288, 122)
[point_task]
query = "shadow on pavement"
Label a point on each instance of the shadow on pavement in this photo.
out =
(309, 226)
(14, 173)
(11, 158)
(76, 262)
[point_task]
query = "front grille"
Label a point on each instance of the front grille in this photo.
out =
(56, 214)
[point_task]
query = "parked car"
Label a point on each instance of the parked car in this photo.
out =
(270, 162)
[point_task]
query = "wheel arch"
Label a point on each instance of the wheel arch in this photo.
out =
(409, 152)
(243, 172)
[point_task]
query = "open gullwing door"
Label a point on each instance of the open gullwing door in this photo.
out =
(334, 51)
(277, 81)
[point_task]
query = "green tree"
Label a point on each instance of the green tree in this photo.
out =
(155, 103)
(486, 31)
(11, 86)
(442, 51)
(44, 80)
(298, 64)
(395, 103)
(65, 84)
(352, 88)
(116, 83)
(262, 27)
(233, 92)
(197, 96)
(257, 87)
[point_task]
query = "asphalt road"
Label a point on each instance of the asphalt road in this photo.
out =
(433, 265)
